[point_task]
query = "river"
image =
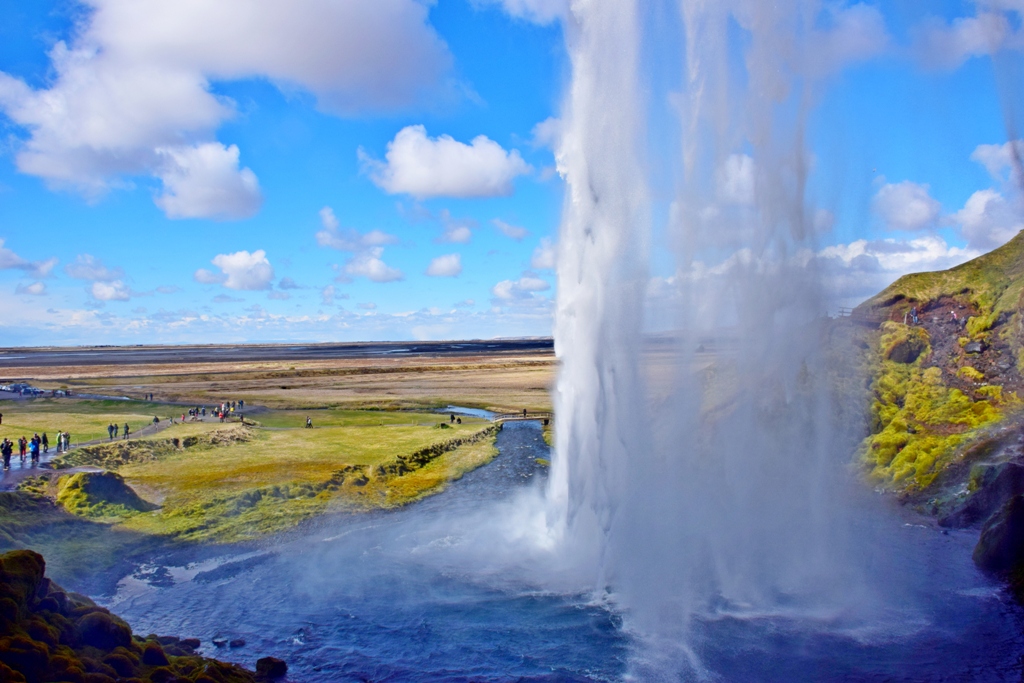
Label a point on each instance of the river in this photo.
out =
(432, 592)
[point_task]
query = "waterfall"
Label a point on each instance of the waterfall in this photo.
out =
(692, 480)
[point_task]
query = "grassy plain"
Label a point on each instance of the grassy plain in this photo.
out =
(373, 445)
(85, 420)
(502, 382)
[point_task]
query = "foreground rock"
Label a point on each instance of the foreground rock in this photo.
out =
(49, 634)
(1001, 546)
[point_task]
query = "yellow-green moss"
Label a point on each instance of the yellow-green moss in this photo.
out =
(971, 374)
(978, 324)
(920, 424)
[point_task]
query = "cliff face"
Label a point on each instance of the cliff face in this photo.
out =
(49, 634)
(947, 383)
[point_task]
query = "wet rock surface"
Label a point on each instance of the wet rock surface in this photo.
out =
(49, 634)
(1001, 546)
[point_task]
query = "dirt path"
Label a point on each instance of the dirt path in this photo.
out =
(19, 471)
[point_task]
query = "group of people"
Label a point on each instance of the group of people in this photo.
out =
(33, 447)
(113, 430)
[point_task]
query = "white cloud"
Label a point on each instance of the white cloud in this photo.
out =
(240, 270)
(508, 230)
(448, 265)
(279, 296)
(34, 289)
(327, 295)
(855, 34)
(136, 76)
(367, 306)
(205, 181)
(11, 261)
(544, 255)
(547, 133)
(444, 167)
(1003, 162)
(855, 271)
(906, 206)
(456, 230)
(988, 220)
(88, 267)
(940, 44)
(523, 288)
(368, 264)
(348, 240)
(537, 11)
(736, 180)
(110, 291)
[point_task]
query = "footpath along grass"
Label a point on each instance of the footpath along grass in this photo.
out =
(84, 420)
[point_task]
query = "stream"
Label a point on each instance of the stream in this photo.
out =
(436, 591)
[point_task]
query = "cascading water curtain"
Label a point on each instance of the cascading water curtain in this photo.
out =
(692, 485)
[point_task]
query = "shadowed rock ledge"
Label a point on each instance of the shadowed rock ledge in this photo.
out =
(49, 634)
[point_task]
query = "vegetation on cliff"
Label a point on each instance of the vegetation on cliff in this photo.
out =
(941, 386)
(49, 634)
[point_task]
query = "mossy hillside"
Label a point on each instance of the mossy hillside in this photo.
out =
(49, 634)
(99, 495)
(919, 421)
(173, 439)
(82, 551)
(993, 283)
(238, 512)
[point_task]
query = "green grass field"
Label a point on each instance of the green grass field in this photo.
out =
(84, 420)
(228, 482)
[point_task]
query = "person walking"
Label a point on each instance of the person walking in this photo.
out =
(117, 428)
(46, 443)
(34, 448)
(309, 422)
(110, 432)
(6, 448)
(126, 431)
(22, 446)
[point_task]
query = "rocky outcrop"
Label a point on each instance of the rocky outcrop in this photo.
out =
(1001, 546)
(49, 634)
(995, 485)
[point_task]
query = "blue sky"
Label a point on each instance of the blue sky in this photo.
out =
(220, 170)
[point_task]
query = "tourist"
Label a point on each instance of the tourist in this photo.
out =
(309, 422)
(46, 444)
(458, 420)
(913, 314)
(117, 428)
(22, 446)
(452, 418)
(35, 448)
(110, 432)
(156, 420)
(6, 448)
(126, 431)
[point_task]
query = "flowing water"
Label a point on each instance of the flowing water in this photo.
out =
(420, 594)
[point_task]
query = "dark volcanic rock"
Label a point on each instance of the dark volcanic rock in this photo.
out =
(908, 350)
(271, 667)
(975, 347)
(47, 634)
(237, 642)
(997, 484)
(1001, 546)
